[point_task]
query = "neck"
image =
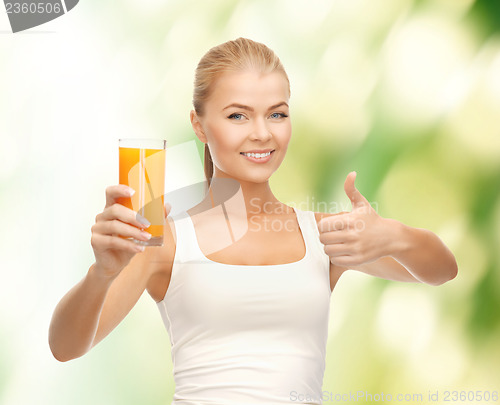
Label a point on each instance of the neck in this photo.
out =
(242, 197)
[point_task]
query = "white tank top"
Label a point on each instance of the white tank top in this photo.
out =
(247, 334)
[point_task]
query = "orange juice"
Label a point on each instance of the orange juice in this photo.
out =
(143, 169)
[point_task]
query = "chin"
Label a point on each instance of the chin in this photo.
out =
(252, 177)
(262, 178)
(254, 174)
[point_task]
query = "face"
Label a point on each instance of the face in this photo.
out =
(246, 112)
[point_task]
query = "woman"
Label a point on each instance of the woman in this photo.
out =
(243, 281)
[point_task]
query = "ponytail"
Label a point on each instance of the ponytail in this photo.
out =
(208, 165)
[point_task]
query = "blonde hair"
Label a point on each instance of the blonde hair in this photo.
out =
(232, 56)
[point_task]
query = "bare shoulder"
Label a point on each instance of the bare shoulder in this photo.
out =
(160, 263)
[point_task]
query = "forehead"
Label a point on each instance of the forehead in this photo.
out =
(249, 87)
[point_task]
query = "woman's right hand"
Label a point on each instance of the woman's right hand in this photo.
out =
(115, 223)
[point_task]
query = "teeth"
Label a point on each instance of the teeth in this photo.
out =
(257, 155)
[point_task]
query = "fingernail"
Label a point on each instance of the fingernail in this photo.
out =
(143, 220)
(130, 191)
(146, 235)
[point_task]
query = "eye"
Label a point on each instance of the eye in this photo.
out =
(236, 116)
(278, 115)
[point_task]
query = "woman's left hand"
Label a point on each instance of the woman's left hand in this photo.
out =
(356, 237)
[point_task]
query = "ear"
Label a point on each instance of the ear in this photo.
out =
(197, 127)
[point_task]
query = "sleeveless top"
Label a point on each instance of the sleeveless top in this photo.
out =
(247, 334)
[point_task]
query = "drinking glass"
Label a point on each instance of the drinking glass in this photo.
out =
(142, 167)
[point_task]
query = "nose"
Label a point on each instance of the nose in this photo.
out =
(260, 130)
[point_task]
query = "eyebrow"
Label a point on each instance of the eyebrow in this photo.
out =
(245, 107)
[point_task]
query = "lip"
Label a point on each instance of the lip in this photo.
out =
(259, 160)
(257, 151)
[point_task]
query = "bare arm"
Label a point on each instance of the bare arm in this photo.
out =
(92, 308)
(385, 267)
(383, 247)
(111, 287)
(414, 254)
(76, 316)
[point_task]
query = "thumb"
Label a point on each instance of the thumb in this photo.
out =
(357, 199)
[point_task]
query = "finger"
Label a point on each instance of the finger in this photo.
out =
(116, 227)
(104, 242)
(344, 261)
(357, 199)
(338, 249)
(330, 238)
(124, 214)
(332, 223)
(167, 208)
(113, 193)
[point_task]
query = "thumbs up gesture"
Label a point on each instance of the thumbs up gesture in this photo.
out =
(356, 237)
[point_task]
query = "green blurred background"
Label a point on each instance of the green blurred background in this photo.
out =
(405, 92)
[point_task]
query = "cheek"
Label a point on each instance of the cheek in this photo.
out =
(283, 135)
(223, 139)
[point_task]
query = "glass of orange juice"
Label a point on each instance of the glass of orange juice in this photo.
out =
(142, 167)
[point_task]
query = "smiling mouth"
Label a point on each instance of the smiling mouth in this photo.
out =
(257, 155)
